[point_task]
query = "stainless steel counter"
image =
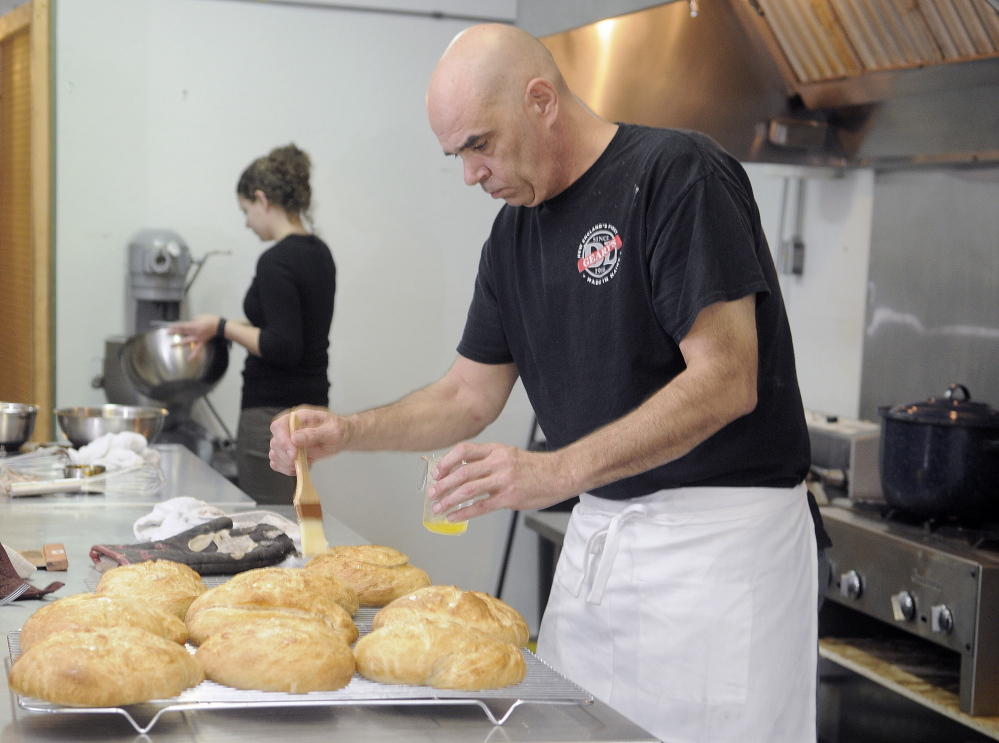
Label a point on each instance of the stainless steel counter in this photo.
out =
(186, 475)
(79, 522)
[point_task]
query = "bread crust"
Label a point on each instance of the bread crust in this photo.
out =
(378, 574)
(106, 667)
(276, 651)
(473, 609)
(92, 611)
(211, 621)
(445, 656)
(311, 592)
(172, 586)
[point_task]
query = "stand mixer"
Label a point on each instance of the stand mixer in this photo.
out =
(158, 265)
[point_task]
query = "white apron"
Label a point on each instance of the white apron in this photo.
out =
(692, 612)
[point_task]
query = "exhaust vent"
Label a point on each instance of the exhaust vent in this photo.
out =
(824, 40)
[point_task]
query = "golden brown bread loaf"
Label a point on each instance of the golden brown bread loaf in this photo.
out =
(105, 667)
(207, 622)
(275, 651)
(311, 592)
(377, 574)
(473, 609)
(93, 611)
(172, 586)
(445, 656)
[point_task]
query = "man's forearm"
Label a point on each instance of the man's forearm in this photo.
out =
(455, 408)
(664, 428)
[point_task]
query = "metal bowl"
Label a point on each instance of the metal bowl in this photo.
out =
(17, 422)
(156, 363)
(83, 425)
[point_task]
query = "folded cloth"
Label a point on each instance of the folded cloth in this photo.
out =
(174, 516)
(213, 548)
(9, 580)
(23, 568)
(116, 451)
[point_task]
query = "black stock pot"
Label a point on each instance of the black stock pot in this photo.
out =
(940, 457)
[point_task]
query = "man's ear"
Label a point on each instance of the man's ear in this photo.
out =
(261, 197)
(541, 99)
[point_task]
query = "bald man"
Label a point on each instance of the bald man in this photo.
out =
(628, 283)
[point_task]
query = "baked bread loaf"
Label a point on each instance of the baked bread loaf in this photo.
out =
(93, 611)
(172, 586)
(450, 604)
(445, 656)
(208, 622)
(275, 651)
(105, 667)
(378, 574)
(306, 591)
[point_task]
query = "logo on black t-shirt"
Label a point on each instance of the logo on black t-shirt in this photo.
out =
(599, 254)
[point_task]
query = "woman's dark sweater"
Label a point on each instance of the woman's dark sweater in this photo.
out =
(291, 301)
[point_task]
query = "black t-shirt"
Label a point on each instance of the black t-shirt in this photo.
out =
(291, 301)
(590, 292)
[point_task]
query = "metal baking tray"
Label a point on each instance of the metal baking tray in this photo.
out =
(541, 685)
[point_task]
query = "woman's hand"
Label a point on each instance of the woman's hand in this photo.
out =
(197, 331)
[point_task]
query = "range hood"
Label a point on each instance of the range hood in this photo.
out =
(877, 83)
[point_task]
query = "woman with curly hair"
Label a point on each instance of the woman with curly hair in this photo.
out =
(288, 309)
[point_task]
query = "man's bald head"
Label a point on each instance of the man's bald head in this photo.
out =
(493, 63)
(497, 100)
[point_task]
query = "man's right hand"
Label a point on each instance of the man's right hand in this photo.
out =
(320, 432)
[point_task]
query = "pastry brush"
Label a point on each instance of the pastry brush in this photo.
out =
(308, 508)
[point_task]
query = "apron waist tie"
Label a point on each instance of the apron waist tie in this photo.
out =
(604, 543)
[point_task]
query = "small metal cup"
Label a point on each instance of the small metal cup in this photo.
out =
(80, 471)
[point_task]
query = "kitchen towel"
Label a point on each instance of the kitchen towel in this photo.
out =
(10, 579)
(23, 568)
(116, 451)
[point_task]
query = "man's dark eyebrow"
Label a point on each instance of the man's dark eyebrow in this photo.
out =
(470, 142)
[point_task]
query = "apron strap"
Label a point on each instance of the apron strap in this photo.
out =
(604, 543)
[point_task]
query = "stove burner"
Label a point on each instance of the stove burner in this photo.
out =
(982, 535)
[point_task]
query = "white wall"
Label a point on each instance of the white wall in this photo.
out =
(160, 104)
(826, 304)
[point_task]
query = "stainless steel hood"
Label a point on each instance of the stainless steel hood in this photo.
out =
(882, 83)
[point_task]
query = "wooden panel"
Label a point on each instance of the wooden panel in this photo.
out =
(16, 20)
(16, 258)
(25, 212)
(41, 216)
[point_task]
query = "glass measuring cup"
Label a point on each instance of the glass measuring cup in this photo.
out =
(436, 522)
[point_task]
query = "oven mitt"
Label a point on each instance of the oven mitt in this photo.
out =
(9, 580)
(212, 548)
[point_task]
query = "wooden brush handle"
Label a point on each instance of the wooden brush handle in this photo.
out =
(301, 460)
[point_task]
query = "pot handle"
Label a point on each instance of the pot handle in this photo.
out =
(949, 394)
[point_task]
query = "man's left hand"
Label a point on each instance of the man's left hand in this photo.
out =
(510, 477)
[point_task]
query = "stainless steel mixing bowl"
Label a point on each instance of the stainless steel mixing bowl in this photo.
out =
(83, 425)
(17, 422)
(156, 363)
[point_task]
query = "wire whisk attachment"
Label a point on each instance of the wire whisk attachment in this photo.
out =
(42, 462)
(140, 479)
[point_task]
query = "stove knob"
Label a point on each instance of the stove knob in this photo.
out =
(903, 606)
(941, 619)
(850, 585)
